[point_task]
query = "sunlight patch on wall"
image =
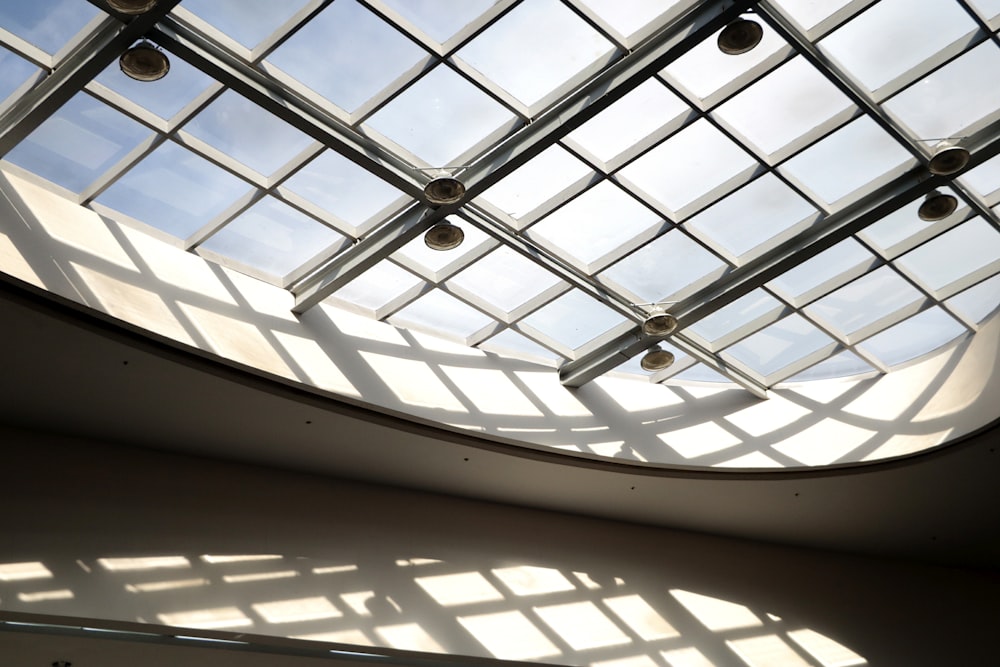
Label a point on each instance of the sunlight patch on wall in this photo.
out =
(238, 558)
(767, 651)
(698, 440)
(824, 443)
(316, 364)
(716, 614)
(438, 344)
(341, 637)
(362, 327)
(24, 571)
(767, 416)
(531, 580)
(133, 304)
(894, 393)
(148, 563)
(508, 635)
(827, 651)
(413, 382)
(408, 637)
(557, 398)
(237, 340)
(459, 588)
(259, 576)
(491, 391)
(636, 395)
(297, 610)
(207, 619)
(44, 596)
(686, 657)
(582, 625)
(641, 617)
(157, 586)
(751, 460)
(64, 221)
(13, 263)
(901, 445)
(632, 661)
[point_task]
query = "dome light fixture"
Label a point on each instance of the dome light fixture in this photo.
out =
(131, 7)
(444, 236)
(444, 190)
(937, 206)
(659, 323)
(144, 62)
(948, 159)
(656, 359)
(740, 36)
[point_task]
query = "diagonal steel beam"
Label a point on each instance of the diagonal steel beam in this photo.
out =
(583, 104)
(745, 279)
(105, 44)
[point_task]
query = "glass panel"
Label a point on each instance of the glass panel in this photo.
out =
(437, 260)
(985, 180)
(841, 365)
(165, 97)
(988, 10)
(726, 321)
(573, 320)
(174, 190)
(688, 166)
(438, 312)
(943, 261)
(347, 54)
(705, 71)
(342, 188)
(534, 49)
(641, 112)
(440, 117)
(504, 279)
(14, 72)
(377, 286)
(810, 13)
(851, 161)
(791, 102)
(868, 300)
(440, 19)
(542, 178)
(630, 16)
(914, 337)
(779, 346)
(959, 97)
(888, 39)
(77, 144)
(273, 237)
(667, 269)
(47, 24)
(978, 302)
(747, 220)
(510, 343)
(249, 22)
(840, 263)
(246, 132)
(593, 227)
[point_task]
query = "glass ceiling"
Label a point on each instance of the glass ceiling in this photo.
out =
(615, 160)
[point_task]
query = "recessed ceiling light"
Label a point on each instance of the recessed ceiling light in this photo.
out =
(948, 159)
(144, 62)
(937, 206)
(131, 7)
(444, 190)
(656, 359)
(740, 36)
(444, 236)
(659, 323)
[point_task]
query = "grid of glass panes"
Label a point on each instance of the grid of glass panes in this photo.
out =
(713, 163)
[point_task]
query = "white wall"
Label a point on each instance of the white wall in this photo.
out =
(368, 564)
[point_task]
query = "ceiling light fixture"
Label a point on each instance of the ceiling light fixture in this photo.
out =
(444, 236)
(656, 359)
(144, 62)
(937, 206)
(948, 159)
(131, 7)
(740, 36)
(659, 323)
(444, 190)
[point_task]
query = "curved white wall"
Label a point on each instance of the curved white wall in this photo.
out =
(73, 252)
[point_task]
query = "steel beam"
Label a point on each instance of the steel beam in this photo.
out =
(101, 48)
(587, 101)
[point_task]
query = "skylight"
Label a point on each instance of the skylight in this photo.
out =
(616, 161)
